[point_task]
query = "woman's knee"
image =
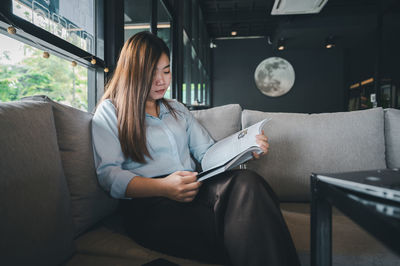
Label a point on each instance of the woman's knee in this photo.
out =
(254, 182)
(246, 177)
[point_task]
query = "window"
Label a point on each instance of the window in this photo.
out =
(164, 24)
(137, 15)
(71, 20)
(164, 31)
(195, 23)
(196, 85)
(187, 72)
(67, 31)
(25, 72)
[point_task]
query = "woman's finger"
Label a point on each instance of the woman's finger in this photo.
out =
(188, 199)
(262, 143)
(191, 186)
(262, 135)
(265, 147)
(189, 194)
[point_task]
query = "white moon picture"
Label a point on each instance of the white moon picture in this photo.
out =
(274, 76)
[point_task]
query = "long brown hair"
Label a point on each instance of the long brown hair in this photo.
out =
(129, 88)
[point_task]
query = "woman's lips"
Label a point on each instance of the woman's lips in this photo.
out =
(160, 91)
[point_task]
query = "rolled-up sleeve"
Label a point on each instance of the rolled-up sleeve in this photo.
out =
(108, 155)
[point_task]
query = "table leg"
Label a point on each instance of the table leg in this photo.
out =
(321, 227)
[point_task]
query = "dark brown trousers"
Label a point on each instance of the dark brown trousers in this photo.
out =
(235, 219)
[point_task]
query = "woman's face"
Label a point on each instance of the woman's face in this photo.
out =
(161, 80)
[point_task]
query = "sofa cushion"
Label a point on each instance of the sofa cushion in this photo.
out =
(36, 227)
(90, 203)
(392, 136)
(98, 260)
(301, 144)
(109, 239)
(220, 121)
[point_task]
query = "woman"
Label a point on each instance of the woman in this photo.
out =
(142, 144)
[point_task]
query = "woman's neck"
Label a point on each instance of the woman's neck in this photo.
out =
(152, 108)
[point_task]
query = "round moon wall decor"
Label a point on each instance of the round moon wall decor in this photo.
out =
(274, 76)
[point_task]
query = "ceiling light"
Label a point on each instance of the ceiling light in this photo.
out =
(294, 7)
(281, 44)
(234, 33)
(329, 42)
(145, 26)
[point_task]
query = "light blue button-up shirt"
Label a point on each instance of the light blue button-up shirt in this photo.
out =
(170, 142)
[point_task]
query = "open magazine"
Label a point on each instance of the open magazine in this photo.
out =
(231, 151)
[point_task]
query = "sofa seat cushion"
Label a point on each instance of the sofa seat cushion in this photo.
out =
(392, 137)
(36, 227)
(98, 260)
(351, 245)
(90, 203)
(109, 239)
(80, 259)
(301, 144)
(220, 121)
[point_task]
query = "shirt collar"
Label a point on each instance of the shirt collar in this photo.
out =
(163, 110)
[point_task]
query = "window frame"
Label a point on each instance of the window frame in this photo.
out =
(40, 38)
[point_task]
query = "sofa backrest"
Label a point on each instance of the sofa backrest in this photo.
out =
(220, 121)
(301, 144)
(89, 202)
(36, 225)
(392, 136)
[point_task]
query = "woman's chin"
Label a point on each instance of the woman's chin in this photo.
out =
(156, 97)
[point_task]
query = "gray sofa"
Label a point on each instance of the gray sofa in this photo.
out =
(53, 212)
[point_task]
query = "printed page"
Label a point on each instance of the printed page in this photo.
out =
(229, 147)
(239, 159)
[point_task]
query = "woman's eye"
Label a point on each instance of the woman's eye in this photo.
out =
(166, 72)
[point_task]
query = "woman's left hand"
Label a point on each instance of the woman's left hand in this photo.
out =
(262, 141)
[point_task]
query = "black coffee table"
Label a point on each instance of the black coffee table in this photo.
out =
(380, 217)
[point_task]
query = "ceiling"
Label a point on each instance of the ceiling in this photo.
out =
(339, 18)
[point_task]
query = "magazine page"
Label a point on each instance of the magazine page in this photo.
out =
(229, 147)
(239, 159)
(243, 157)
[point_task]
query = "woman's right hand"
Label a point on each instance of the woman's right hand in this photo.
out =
(181, 186)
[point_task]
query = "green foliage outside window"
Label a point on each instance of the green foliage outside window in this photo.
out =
(35, 75)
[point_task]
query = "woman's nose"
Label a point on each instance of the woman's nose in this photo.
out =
(159, 79)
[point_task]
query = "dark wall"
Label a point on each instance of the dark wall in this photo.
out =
(361, 60)
(390, 48)
(318, 86)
